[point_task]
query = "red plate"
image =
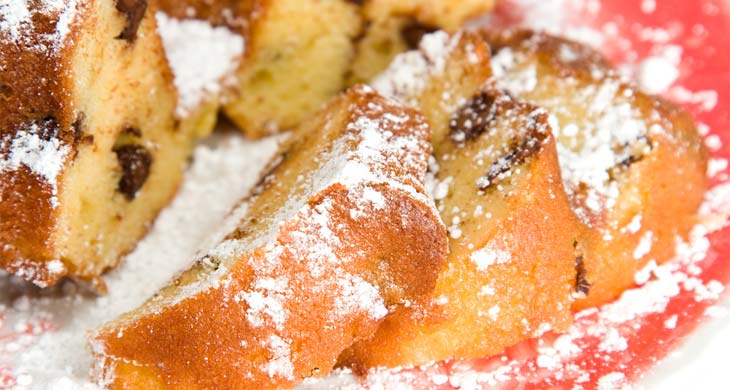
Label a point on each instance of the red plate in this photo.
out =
(614, 346)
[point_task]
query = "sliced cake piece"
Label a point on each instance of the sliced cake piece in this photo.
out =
(392, 27)
(201, 83)
(633, 164)
(511, 269)
(339, 233)
(90, 148)
(297, 54)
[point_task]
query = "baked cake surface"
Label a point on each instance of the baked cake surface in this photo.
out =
(511, 270)
(299, 54)
(392, 27)
(300, 277)
(90, 149)
(633, 164)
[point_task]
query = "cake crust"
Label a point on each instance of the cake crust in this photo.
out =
(658, 175)
(268, 311)
(510, 273)
(86, 125)
(34, 71)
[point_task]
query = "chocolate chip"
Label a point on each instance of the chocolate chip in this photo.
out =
(520, 152)
(473, 118)
(135, 161)
(5, 91)
(631, 153)
(413, 31)
(78, 127)
(47, 127)
(134, 9)
(581, 283)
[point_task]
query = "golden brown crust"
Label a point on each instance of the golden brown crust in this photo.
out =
(34, 90)
(659, 187)
(207, 339)
(50, 151)
(584, 61)
(524, 214)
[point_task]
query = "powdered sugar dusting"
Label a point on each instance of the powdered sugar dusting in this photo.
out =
(487, 256)
(280, 364)
(299, 250)
(202, 57)
(605, 331)
(360, 294)
(408, 73)
(611, 132)
(45, 158)
(266, 300)
(16, 22)
(656, 74)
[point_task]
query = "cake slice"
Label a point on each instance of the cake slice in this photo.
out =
(299, 54)
(511, 269)
(296, 55)
(633, 164)
(90, 148)
(338, 234)
(391, 27)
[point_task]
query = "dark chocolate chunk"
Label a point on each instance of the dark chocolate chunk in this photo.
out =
(47, 128)
(134, 10)
(135, 161)
(78, 128)
(413, 31)
(473, 118)
(633, 153)
(79, 131)
(520, 152)
(581, 283)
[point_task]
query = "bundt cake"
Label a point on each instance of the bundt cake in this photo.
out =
(300, 277)
(633, 164)
(511, 270)
(90, 148)
(391, 27)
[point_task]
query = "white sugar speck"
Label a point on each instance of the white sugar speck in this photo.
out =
(487, 256)
(644, 246)
(648, 6)
(656, 74)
